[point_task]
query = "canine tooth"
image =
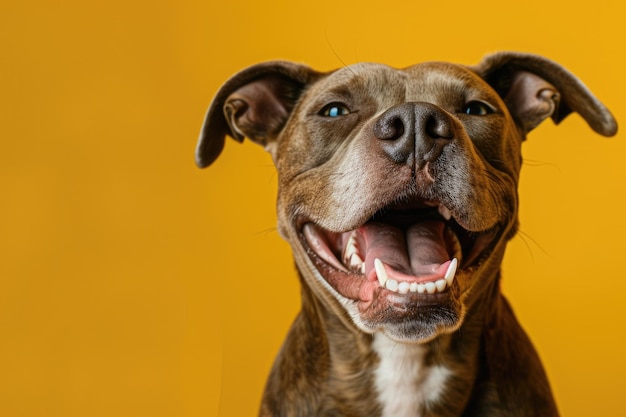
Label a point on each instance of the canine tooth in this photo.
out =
(431, 288)
(451, 271)
(445, 212)
(440, 284)
(392, 285)
(381, 273)
(363, 268)
(403, 287)
(413, 287)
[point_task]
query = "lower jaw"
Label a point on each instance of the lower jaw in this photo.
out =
(410, 320)
(377, 305)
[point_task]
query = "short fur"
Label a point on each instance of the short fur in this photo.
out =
(368, 151)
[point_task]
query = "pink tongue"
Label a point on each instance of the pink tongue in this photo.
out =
(418, 251)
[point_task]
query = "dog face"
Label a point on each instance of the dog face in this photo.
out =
(401, 188)
(397, 188)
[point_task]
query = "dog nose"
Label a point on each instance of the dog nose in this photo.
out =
(414, 132)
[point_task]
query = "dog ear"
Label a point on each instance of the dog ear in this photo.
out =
(535, 88)
(254, 103)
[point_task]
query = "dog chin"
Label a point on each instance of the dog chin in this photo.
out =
(408, 321)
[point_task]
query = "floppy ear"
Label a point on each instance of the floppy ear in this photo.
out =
(254, 103)
(535, 88)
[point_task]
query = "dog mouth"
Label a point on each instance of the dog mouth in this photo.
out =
(413, 249)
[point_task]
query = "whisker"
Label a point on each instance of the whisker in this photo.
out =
(522, 236)
(333, 49)
(266, 232)
(525, 235)
(536, 163)
(336, 54)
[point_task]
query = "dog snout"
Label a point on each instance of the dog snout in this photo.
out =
(414, 132)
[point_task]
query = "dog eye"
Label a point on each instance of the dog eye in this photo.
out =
(334, 110)
(477, 108)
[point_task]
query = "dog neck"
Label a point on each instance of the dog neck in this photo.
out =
(431, 379)
(405, 380)
(374, 375)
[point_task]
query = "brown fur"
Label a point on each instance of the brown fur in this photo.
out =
(337, 173)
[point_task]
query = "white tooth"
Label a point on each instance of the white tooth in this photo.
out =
(356, 261)
(381, 273)
(440, 284)
(451, 272)
(413, 287)
(421, 288)
(431, 287)
(392, 285)
(445, 212)
(363, 268)
(350, 249)
(403, 287)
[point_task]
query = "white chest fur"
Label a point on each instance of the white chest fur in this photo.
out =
(403, 382)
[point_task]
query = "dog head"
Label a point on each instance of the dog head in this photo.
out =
(398, 187)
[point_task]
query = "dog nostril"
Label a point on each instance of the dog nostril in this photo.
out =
(390, 128)
(413, 133)
(438, 129)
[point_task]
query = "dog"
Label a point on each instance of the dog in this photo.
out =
(398, 194)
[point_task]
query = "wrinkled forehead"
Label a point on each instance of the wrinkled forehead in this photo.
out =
(431, 81)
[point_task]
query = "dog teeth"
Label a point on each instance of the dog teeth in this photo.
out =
(445, 212)
(356, 261)
(392, 285)
(351, 248)
(351, 256)
(381, 273)
(451, 272)
(404, 287)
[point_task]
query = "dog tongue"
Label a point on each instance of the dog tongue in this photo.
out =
(419, 250)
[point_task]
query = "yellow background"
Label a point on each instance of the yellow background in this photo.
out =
(134, 284)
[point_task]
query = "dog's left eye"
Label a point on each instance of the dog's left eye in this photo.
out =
(334, 110)
(477, 108)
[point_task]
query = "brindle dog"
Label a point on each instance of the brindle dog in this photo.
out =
(398, 194)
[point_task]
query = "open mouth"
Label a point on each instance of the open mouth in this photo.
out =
(413, 248)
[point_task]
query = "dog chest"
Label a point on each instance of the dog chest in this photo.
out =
(404, 382)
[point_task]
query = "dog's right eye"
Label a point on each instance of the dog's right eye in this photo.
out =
(334, 110)
(477, 108)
